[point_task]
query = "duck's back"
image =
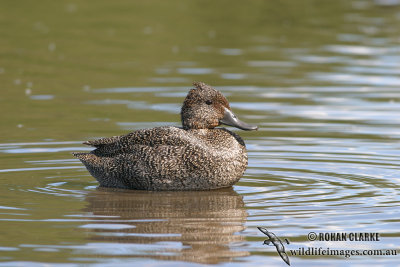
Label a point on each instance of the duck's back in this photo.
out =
(167, 158)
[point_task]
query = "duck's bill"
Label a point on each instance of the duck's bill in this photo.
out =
(231, 120)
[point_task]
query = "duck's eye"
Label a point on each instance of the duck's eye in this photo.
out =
(208, 102)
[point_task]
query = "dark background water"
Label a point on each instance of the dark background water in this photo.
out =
(320, 78)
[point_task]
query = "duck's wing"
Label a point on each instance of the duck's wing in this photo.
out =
(172, 136)
(102, 141)
(144, 159)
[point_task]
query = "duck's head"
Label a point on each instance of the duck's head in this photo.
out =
(206, 108)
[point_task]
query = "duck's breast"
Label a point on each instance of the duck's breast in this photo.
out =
(218, 154)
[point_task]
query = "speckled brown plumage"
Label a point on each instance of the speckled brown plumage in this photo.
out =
(195, 157)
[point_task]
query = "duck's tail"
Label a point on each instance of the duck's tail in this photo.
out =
(88, 159)
(103, 169)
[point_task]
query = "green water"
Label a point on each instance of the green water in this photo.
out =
(321, 79)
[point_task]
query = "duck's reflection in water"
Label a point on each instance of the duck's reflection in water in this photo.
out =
(197, 226)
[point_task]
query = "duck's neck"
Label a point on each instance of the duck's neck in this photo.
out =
(194, 121)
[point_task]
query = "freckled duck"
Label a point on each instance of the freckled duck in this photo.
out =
(197, 156)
